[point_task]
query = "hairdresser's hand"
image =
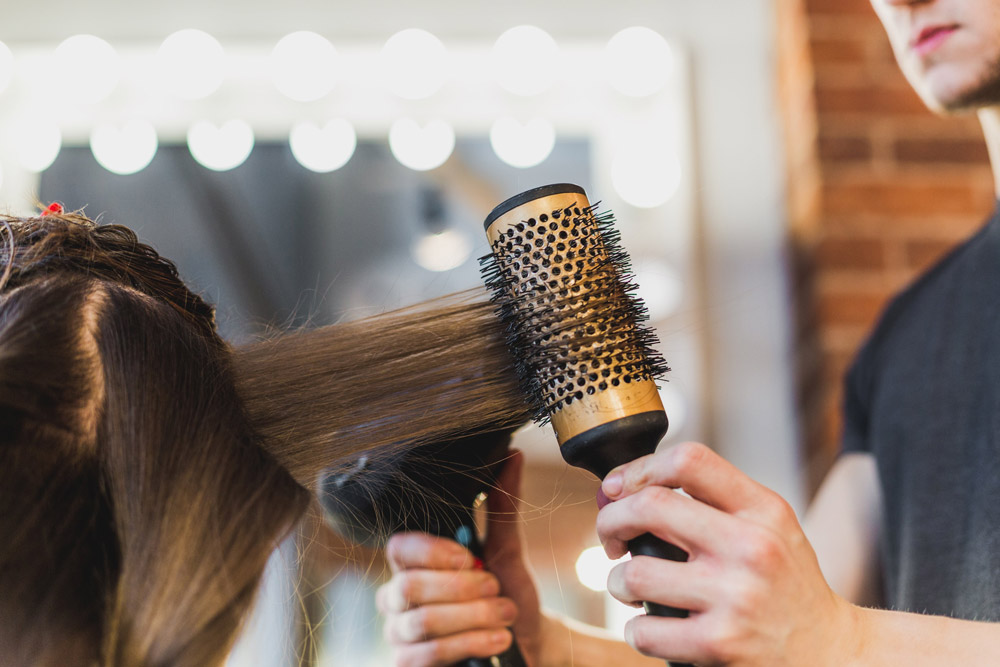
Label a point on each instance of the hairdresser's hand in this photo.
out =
(753, 585)
(440, 607)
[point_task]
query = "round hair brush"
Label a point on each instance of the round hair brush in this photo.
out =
(432, 488)
(575, 329)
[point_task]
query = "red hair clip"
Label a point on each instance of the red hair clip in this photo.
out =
(55, 208)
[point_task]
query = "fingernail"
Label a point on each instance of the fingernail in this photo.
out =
(508, 612)
(490, 587)
(612, 485)
(499, 637)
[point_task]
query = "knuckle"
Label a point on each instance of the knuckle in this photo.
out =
(761, 550)
(649, 502)
(687, 457)
(417, 625)
(719, 642)
(633, 578)
(640, 638)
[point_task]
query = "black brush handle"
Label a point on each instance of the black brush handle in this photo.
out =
(650, 545)
(465, 534)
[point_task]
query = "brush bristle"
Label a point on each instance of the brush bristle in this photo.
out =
(566, 295)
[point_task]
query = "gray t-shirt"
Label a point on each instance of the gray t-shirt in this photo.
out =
(923, 396)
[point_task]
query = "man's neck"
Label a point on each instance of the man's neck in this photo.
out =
(989, 118)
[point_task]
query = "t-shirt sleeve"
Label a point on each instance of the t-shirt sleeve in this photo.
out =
(857, 405)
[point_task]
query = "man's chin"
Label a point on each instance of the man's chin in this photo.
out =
(946, 96)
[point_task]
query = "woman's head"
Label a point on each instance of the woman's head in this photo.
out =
(137, 507)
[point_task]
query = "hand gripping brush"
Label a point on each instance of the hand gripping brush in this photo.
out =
(575, 330)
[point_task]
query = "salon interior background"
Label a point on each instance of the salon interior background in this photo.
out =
(338, 172)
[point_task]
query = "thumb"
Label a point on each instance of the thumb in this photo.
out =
(503, 535)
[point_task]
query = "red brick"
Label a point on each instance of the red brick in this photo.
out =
(850, 253)
(850, 308)
(873, 98)
(840, 148)
(900, 197)
(839, 7)
(921, 255)
(932, 150)
(839, 50)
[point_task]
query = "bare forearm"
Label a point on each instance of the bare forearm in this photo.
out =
(891, 638)
(569, 643)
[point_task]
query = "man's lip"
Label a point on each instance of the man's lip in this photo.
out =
(931, 33)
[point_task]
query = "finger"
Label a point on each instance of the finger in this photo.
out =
(503, 537)
(661, 637)
(441, 620)
(693, 467)
(690, 524)
(413, 588)
(645, 579)
(420, 550)
(449, 650)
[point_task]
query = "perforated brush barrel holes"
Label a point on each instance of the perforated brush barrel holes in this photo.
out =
(573, 323)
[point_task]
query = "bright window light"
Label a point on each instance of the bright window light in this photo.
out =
(37, 144)
(191, 64)
(442, 251)
(126, 149)
(421, 148)
(87, 69)
(414, 64)
(593, 567)
(304, 66)
(220, 148)
(323, 149)
(675, 405)
(660, 287)
(522, 145)
(524, 60)
(6, 67)
(638, 62)
(646, 175)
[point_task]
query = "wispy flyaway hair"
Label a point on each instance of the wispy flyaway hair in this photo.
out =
(147, 472)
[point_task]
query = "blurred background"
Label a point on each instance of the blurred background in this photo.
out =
(304, 163)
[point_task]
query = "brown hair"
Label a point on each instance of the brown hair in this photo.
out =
(147, 472)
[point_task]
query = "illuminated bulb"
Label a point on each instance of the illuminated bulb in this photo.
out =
(304, 66)
(191, 64)
(524, 60)
(522, 145)
(124, 150)
(421, 148)
(414, 64)
(37, 144)
(675, 406)
(87, 69)
(6, 66)
(660, 288)
(442, 251)
(220, 148)
(638, 62)
(323, 149)
(593, 567)
(646, 176)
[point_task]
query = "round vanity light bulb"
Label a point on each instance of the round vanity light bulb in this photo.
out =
(414, 64)
(524, 60)
(304, 66)
(124, 150)
(191, 64)
(638, 62)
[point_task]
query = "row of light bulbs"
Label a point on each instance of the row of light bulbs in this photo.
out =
(191, 64)
(643, 176)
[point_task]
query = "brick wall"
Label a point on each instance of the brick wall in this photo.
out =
(879, 189)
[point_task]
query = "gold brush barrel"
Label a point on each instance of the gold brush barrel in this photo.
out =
(574, 320)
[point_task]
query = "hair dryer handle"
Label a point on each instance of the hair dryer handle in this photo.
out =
(650, 545)
(465, 535)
